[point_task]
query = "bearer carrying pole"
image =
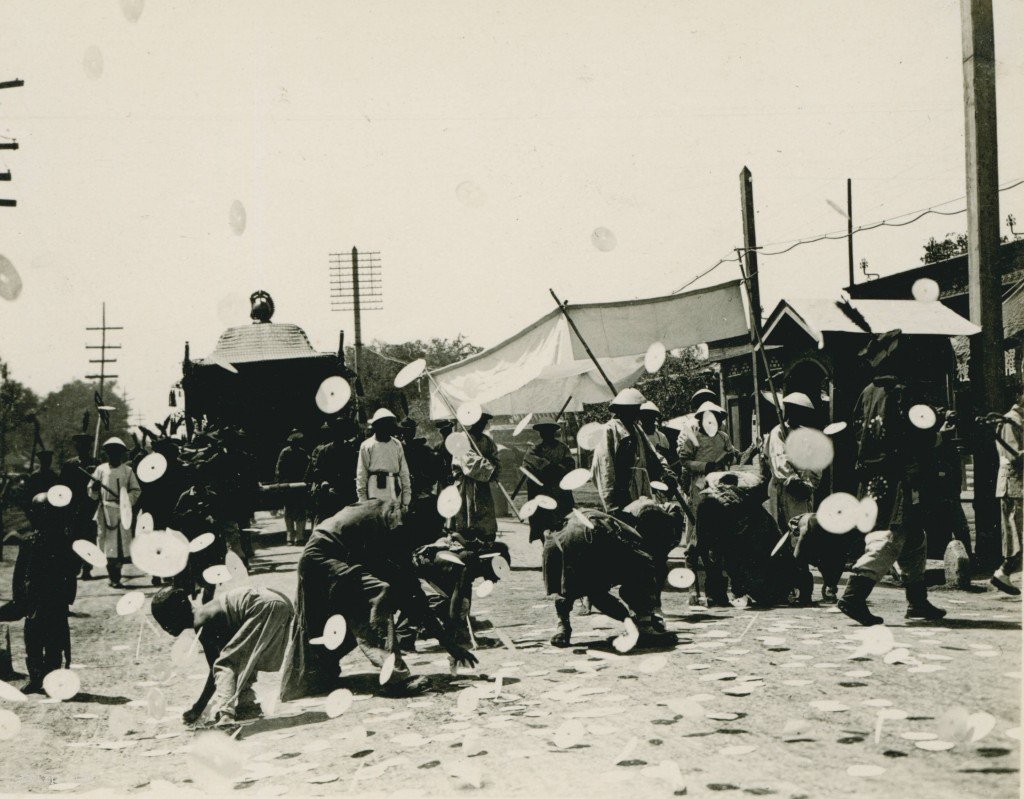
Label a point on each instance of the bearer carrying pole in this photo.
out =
(648, 448)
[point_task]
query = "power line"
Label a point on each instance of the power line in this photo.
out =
(837, 235)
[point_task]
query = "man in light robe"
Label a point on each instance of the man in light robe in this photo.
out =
(549, 461)
(701, 454)
(244, 631)
(1008, 489)
(382, 471)
(475, 470)
(109, 481)
(650, 415)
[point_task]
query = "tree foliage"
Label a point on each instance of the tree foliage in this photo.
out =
(17, 404)
(950, 247)
(63, 412)
(381, 362)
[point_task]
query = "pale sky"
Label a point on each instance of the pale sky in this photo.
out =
(339, 124)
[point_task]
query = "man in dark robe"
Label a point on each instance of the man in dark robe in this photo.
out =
(332, 470)
(160, 496)
(292, 464)
(43, 589)
(42, 479)
(549, 461)
(588, 559)
(358, 564)
(74, 473)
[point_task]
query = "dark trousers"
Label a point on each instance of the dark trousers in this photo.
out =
(46, 636)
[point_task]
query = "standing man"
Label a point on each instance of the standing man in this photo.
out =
(332, 469)
(650, 415)
(1008, 489)
(423, 461)
(108, 480)
(701, 454)
(894, 461)
(790, 490)
(475, 471)
(292, 464)
(42, 479)
(74, 473)
(382, 471)
(549, 460)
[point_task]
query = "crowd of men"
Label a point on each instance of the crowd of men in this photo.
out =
(389, 559)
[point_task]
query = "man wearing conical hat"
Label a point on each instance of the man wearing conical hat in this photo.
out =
(109, 480)
(549, 460)
(623, 466)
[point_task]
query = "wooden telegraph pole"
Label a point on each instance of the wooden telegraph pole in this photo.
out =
(748, 267)
(9, 145)
(982, 256)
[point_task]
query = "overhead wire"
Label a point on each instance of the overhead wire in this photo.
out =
(838, 235)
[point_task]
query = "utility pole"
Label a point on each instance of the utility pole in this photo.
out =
(849, 225)
(984, 285)
(750, 243)
(103, 360)
(9, 145)
(352, 291)
(752, 281)
(357, 323)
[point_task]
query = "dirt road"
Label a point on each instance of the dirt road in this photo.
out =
(576, 722)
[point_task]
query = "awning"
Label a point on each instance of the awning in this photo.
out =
(541, 366)
(819, 316)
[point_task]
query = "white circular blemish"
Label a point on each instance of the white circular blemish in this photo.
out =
(603, 239)
(470, 194)
(333, 394)
(237, 218)
(808, 448)
(132, 9)
(92, 62)
(62, 684)
(925, 290)
(10, 280)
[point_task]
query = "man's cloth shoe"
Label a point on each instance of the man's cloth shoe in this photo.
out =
(1002, 581)
(854, 601)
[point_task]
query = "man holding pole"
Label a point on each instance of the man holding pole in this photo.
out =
(476, 470)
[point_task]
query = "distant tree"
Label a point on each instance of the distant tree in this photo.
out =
(381, 362)
(950, 247)
(62, 412)
(17, 404)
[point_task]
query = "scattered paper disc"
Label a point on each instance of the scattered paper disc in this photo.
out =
(59, 496)
(876, 640)
(577, 478)
(126, 509)
(528, 509)
(387, 669)
(201, 542)
(409, 372)
(737, 751)
(829, 706)
(865, 770)
(654, 358)
(681, 577)
(10, 280)
(152, 467)
(899, 656)
(159, 554)
(569, 734)
(90, 553)
(834, 428)
(523, 424)
(449, 502)
(333, 394)
(144, 524)
(838, 513)
(156, 704)
(627, 640)
(130, 603)
(657, 485)
(925, 290)
(981, 724)
(338, 702)
(469, 413)
(546, 502)
(216, 575)
(448, 557)
(10, 723)
(868, 514)
(457, 444)
(590, 435)
(935, 746)
(582, 519)
(501, 568)
(468, 700)
(913, 735)
(485, 588)
(892, 714)
(8, 693)
(653, 664)
(530, 476)
(709, 423)
(236, 566)
(335, 630)
(62, 684)
(809, 449)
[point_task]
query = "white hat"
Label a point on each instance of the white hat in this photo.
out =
(629, 396)
(709, 406)
(381, 414)
(799, 399)
(650, 406)
(114, 441)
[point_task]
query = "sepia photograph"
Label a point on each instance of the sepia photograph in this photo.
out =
(511, 399)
